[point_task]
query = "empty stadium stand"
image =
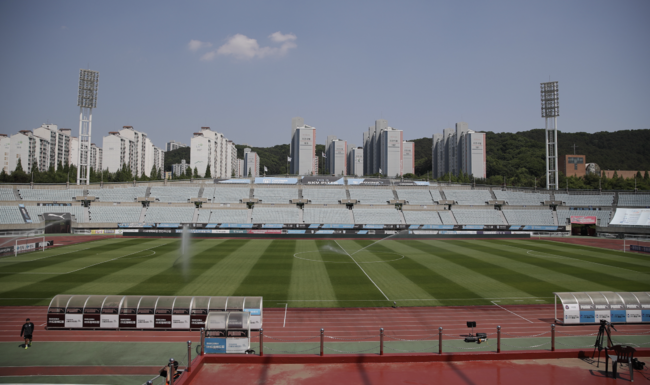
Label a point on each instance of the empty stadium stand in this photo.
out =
(423, 217)
(415, 196)
(367, 216)
(468, 197)
(118, 194)
(634, 200)
(174, 194)
(478, 217)
(372, 196)
(324, 195)
(276, 215)
(585, 199)
(10, 214)
(7, 194)
(224, 216)
(521, 198)
(275, 195)
(162, 214)
(327, 215)
(114, 214)
(529, 217)
(226, 194)
(49, 195)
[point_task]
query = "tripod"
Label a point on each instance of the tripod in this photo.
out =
(602, 330)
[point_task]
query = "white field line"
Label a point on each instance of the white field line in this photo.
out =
(38, 259)
(555, 256)
(403, 299)
(99, 263)
(547, 255)
(495, 304)
(3, 260)
(364, 272)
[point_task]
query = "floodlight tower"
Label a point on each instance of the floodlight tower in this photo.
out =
(87, 100)
(550, 111)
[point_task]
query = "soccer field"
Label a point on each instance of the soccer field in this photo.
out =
(324, 273)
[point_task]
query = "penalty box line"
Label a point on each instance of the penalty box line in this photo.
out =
(99, 263)
(364, 272)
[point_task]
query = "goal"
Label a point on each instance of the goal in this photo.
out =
(29, 244)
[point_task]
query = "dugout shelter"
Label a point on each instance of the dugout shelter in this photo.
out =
(592, 307)
(227, 332)
(68, 311)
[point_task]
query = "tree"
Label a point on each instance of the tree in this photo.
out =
(196, 172)
(249, 172)
(154, 173)
(208, 174)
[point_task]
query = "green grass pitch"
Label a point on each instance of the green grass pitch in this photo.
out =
(324, 273)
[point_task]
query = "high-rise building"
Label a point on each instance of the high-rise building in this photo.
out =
(251, 164)
(355, 160)
(408, 157)
(30, 149)
(173, 145)
(337, 156)
(96, 157)
(59, 143)
(132, 148)
(382, 150)
(5, 152)
(303, 148)
(459, 150)
(211, 148)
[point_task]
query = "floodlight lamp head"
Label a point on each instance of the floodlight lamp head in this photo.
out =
(88, 81)
(550, 100)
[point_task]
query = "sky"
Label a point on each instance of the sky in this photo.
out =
(245, 68)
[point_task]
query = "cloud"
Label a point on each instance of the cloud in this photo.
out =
(278, 37)
(243, 47)
(240, 46)
(195, 45)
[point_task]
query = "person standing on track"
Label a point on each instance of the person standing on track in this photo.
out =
(27, 330)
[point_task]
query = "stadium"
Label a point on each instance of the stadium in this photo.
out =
(348, 256)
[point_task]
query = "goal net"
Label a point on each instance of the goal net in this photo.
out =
(23, 245)
(638, 243)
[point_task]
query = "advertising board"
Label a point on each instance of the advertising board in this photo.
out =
(631, 217)
(109, 321)
(571, 314)
(583, 220)
(215, 345)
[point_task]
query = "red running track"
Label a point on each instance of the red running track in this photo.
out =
(349, 323)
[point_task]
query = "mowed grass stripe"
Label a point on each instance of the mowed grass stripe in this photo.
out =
(182, 270)
(613, 263)
(69, 259)
(468, 282)
(14, 282)
(64, 283)
(228, 273)
(531, 279)
(604, 256)
(599, 280)
(271, 275)
(310, 281)
(393, 270)
(347, 279)
(427, 278)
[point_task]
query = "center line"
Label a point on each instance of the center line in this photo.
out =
(364, 272)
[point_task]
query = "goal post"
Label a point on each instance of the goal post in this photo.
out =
(28, 244)
(636, 243)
